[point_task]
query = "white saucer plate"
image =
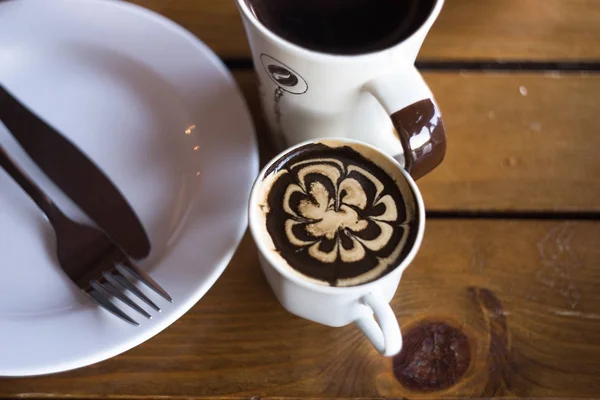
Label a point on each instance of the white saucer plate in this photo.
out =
(161, 115)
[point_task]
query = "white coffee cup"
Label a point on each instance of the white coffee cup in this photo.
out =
(338, 306)
(377, 97)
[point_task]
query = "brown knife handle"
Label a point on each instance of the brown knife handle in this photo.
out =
(417, 120)
(76, 175)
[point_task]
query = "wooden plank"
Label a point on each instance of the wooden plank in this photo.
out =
(466, 29)
(516, 142)
(523, 293)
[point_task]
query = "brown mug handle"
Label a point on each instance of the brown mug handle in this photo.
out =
(416, 118)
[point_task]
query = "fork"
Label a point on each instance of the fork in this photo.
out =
(88, 256)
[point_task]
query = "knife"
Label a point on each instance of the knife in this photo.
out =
(76, 175)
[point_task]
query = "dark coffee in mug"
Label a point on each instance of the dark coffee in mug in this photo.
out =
(335, 215)
(342, 26)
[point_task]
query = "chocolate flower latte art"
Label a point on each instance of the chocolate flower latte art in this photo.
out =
(339, 220)
(330, 212)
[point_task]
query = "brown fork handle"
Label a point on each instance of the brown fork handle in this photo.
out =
(33, 191)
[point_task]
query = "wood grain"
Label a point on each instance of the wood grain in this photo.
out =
(523, 292)
(466, 29)
(516, 142)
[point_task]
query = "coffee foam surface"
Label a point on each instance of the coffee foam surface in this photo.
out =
(336, 215)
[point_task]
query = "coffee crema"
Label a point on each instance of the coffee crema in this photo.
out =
(335, 216)
(342, 26)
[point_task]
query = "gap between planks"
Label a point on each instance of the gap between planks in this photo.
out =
(483, 66)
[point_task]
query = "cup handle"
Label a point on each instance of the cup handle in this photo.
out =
(384, 333)
(416, 118)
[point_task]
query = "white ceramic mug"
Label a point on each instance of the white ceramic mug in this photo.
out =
(338, 306)
(377, 97)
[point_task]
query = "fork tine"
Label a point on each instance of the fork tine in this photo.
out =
(145, 278)
(110, 286)
(103, 301)
(106, 291)
(131, 287)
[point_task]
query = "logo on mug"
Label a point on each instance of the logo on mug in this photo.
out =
(283, 76)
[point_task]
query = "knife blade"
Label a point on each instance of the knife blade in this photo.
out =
(76, 175)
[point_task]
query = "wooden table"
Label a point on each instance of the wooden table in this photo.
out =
(509, 271)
